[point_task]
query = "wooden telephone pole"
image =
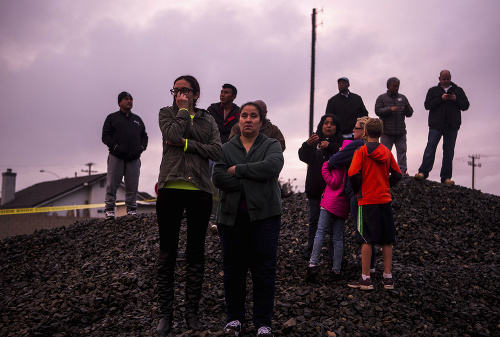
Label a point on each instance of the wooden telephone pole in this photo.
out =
(473, 164)
(313, 70)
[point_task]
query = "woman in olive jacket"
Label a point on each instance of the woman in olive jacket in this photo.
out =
(190, 139)
(249, 219)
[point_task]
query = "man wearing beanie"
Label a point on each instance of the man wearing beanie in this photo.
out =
(125, 135)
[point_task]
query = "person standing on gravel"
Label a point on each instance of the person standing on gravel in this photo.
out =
(249, 220)
(268, 128)
(343, 158)
(125, 135)
(392, 108)
(372, 173)
(316, 150)
(445, 103)
(190, 138)
(347, 106)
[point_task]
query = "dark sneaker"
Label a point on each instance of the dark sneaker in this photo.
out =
(264, 331)
(232, 328)
(361, 284)
(337, 276)
(312, 274)
(388, 283)
(110, 215)
(132, 213)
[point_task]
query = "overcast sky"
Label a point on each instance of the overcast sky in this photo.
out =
(63, 63)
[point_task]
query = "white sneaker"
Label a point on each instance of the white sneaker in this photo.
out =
(264, 331)
(132, 213)
(232, 328)
(110, 215)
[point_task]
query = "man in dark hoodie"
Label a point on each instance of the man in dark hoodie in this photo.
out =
(125, 135)
(445, 103)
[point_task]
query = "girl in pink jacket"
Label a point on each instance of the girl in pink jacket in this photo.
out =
(334, 212)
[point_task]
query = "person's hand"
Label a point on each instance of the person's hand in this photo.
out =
(181, 143)
(324, 144)
(182, 101)
(394, 108)
(313, 140)
(452, 97)
(232, 170)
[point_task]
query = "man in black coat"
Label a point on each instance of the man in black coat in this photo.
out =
(445, 103)
(347, 106)
(125, 135)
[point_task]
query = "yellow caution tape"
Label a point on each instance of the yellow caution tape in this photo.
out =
(56, 208)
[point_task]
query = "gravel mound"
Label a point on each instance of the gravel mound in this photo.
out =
(97, 277)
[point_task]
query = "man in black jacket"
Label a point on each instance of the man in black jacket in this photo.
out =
(445, 103)
(347, 106)
(225, 113)
(125, 135)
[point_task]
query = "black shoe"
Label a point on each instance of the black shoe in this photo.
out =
(194, 323)
(165, 326)
(312, 274)
(337, 276)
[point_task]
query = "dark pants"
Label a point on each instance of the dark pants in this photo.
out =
(250, 245)
(170, 206)
(314, 211)
(449, 138)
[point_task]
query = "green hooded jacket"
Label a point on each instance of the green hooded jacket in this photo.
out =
(256, 176)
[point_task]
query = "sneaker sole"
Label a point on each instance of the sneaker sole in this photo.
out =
(361, 287)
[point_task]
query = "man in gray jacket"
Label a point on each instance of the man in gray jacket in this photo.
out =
(392, 108)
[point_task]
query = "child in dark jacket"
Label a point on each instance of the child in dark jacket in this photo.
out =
(314, 152)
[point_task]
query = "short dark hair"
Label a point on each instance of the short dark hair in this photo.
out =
(259, 109)
(392, 79)
(193, 82)
(232, 87)
(374, 127)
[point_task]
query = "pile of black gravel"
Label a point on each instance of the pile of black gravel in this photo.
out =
(97, 278)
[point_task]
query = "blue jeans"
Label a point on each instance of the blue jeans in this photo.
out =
(449, 139)
(329, 222)
(117, 169)
(250, 245)
(314, 211)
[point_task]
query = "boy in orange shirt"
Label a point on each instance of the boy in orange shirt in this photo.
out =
(372, 173)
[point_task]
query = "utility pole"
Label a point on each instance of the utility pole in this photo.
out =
(473, 164)
(313, 68)
(90, 168)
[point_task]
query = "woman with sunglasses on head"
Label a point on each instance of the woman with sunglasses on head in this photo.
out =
(190, 138)
(249, 219)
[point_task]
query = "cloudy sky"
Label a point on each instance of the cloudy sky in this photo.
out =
(63, 63)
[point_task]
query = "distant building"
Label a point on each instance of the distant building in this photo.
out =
(84, 190)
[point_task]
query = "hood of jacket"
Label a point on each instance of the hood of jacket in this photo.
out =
(376, 152)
